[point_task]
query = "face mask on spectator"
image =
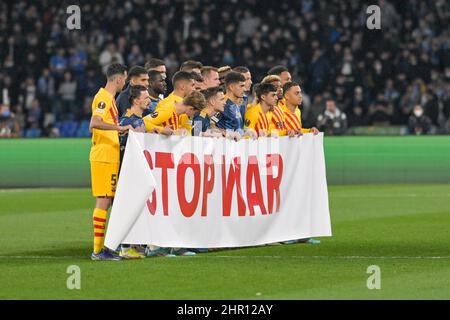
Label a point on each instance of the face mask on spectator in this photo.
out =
(418, 113)
(6, 113)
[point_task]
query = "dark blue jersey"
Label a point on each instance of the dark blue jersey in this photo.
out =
(129, 119)
(204, 122)
(231, 117)
(243, 106)
(152, 107)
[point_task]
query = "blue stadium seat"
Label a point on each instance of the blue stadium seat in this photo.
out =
(68, 129)
(33, 133)
(83, 129)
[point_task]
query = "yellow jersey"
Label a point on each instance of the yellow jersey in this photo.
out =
(293, 120)
(256, 119)
(105, 143)
(185, 122)
(276, 120)
(164, 115)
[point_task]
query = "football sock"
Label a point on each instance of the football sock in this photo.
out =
(99, 219)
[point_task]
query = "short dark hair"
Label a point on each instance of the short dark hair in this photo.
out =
(277, 70)
(153, 75)
(289, 85)
(115, 69)
(180, 76)
(153, 63)
(196, 76)
(136, 71)
(241, 69)
(211, 92)
(135, 92)
(263, 89)
(191, 64)
(233, 77)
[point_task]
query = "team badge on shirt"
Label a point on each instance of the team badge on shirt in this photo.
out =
(101, 105)
(154, 114)
(247, 122)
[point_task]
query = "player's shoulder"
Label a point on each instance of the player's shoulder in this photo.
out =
(102, 99)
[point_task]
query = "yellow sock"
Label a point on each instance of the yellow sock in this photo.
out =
(99, 219)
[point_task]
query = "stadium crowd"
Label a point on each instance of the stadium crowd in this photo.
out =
(350, 75)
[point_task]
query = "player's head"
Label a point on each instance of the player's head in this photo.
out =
(235, 84)
(157, 65)
(210, 77)
(254, 90)
(138, 76)
(183, 82)
(139, 97)
(223, 71)
(116, 74)
(292, 92)
(282, 72)
(192, 66)
(193, 103)
(215, 98)
(276, 81)
(330, 105)
(157, 84)
(198, 80)
(267, 93)
(248, 76)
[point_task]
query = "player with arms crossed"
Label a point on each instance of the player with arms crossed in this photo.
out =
(105, 154)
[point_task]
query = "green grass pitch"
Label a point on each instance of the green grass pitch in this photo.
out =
(403, 229)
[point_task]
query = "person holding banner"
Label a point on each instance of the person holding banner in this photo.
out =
(139, 100)
(256, 117)
(205, 121)
(105, 155)
(165, 119)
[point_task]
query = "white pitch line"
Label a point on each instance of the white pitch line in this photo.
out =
(250, 256)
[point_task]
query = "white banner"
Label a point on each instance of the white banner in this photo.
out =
(195, 192)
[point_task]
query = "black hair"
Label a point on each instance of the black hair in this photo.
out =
(135, 92)
(265, 88)
(211, 92)
(277, 70)
(115, 69)
(136, 71)
(180, 76)
(233, 77)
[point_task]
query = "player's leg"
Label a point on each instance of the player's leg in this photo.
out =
(104, 181)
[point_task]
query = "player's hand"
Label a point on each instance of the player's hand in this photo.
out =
(299, 132)
(123, 129)
(315, 130)
(274, 133)
(183, 132)
(166, 131)
(250, 133)
(139, 129)
(263, 133)
(292, 133)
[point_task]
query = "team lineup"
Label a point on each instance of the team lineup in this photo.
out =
(205, 101)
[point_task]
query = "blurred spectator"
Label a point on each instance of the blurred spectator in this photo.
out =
(8, 129)
(332, 121)
(381, 112)
(109, 55)
(418, 122)
(324, 44)
(67, 94)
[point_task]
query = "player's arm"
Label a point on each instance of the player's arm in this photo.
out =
(251, 124)
(98, 123)
(154, 122)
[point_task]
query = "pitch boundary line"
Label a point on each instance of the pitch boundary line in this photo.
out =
(250, 256)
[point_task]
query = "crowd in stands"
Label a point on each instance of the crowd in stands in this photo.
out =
(398, 75)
